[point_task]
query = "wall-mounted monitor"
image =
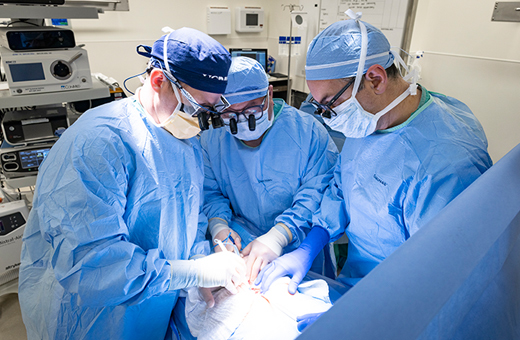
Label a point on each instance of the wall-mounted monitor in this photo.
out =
(259, 54)
(33, 2)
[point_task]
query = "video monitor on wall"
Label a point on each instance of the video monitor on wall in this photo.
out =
(260, 54)
(33, 2)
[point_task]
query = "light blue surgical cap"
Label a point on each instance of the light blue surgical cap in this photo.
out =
(247, 80)
(335, 52)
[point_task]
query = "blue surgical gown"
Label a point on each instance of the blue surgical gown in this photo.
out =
(388, 185)
(280, 181)
(116, 197)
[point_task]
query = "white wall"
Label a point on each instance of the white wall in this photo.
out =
(475, 60)
(111, 40)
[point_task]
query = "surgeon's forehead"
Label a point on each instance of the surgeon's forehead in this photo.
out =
(323, 90)
(246, 104)
(202, 97)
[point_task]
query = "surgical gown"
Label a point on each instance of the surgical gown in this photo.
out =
(388, 185)
(280, 181)
(116, 197)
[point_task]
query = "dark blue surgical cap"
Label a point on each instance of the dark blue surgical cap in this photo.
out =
(194, 58)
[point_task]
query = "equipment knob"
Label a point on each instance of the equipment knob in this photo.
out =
(61, 69)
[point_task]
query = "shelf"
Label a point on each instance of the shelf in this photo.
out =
(273, 79)
(47, 12)
(98, 90)
(279, 88)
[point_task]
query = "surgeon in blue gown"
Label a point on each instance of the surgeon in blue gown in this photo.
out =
(266, 172)
(116, 210)
(408, 152)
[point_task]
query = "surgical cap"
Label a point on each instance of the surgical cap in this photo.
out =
(194, 58)
(335, 52)
(247, 80)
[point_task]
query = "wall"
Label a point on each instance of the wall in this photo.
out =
(475, 60)
(111, 40)
(281, 26)
(467, 55)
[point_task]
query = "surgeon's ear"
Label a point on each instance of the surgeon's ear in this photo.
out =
(377, 79)
(157, 79)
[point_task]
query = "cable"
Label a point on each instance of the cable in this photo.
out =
(124, 82)
(3, 77)
(23, 21)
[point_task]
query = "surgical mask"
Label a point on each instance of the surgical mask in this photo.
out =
(354, 122)
(180, 124)
(351, 119)
(262, 125)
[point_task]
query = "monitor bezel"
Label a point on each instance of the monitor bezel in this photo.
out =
(231, 50)
(32, 2)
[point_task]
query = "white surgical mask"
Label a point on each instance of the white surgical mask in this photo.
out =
(180, 124)
(351, 119)
(262, 125)
(354, 122)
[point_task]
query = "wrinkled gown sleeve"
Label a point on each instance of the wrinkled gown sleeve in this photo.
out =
(82, 212)
(332, 213)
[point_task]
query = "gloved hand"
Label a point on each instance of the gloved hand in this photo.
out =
(262, 251)
(207, 295)
(223, 235)
(306, 320)
(295, 264)
(216, 225)
(224, 269)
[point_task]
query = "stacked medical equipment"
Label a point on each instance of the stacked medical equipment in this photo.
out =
(35, 60)
(28, 137)
(43, 59)
(13, 216)
(42, 73)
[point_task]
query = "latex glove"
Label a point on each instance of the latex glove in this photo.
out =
(216, 225)
(306, 320)
(224, 269)
(222, 235)
(262, 251)
(207, 295)
(296, 264)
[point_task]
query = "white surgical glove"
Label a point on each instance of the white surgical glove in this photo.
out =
(262, 251)
(224, 269)
(216, 225)
(220, 230)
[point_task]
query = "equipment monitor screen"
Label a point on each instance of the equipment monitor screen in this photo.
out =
(33, 158)
(27, 72)
(251, 19)
(38, 2)
(40, 39)
(260, 54)
(37, 131)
